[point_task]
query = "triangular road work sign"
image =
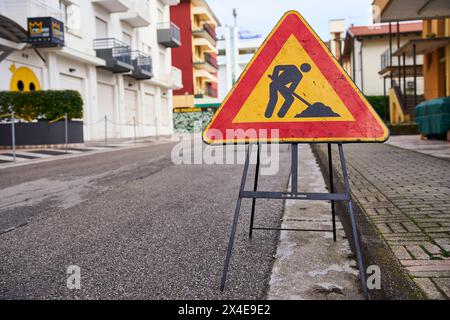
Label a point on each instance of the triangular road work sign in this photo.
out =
(295, 87)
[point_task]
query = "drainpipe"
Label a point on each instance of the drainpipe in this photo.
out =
(354, 61)
(361, 64)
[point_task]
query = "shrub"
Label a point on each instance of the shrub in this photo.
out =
(191, 122)
(48, 104)
(381, 106)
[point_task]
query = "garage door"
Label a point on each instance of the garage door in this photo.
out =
(106, 108)
(148, 110)
(71, 83)
(130, 106)
(165, 112)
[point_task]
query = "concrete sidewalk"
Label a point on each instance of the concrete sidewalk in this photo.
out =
(310, 265)
(432, 147)
(402, 201)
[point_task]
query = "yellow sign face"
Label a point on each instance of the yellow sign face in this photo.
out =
(314, 87)
(295, 87)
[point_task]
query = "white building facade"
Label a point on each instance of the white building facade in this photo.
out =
(116, 54)
(364, 52)
(236, 49)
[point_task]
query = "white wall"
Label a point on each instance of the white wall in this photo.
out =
(76, 66)
(369, 81)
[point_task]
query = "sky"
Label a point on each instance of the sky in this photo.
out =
(260, 16)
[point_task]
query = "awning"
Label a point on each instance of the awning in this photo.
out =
(401, 10)
(423, 46)
(11, 33)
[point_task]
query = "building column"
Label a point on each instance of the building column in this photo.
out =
(158, 113)
(91, 110)
(170, 110)
(141, 128)
(53, 71)
(120, 107)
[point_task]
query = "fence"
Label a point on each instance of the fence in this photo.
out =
(12, 120)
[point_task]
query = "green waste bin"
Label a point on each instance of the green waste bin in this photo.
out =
(433, 116)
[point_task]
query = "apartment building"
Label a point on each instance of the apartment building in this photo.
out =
(116, 53)
(365, 50)
(197, 55)
(433, 44)
(236, 49)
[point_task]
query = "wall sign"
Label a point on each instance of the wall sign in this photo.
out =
(45, 32)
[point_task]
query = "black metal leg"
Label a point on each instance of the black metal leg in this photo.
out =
(235, 221)
(294, 168)
(255, 188)
(333, 210)
(362, 273)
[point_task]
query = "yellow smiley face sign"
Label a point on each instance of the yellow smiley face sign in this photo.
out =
(23, 79)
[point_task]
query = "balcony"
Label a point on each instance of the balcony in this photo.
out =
(208, 92)
(209, 63)
(205, 75)
(138, 16)
(142, 64)
(204, 13)
(20, 10)
(170, 2)
(173, 79)
(116, 54)
(169, 35)
(206, 31)
(112, 6)
(204, 45)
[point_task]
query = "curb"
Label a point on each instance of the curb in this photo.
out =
(396, 284)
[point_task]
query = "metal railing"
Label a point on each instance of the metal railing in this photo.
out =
(174, 29)
(143, 60)
(120, 50)
(177, 77)
(211, 92)
(210, 30)
(211, 60)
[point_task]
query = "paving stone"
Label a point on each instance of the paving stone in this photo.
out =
(401, 253)
(443, 284)
(417, 252)
(429, 288)
(407, 197)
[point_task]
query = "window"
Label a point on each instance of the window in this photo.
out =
(73, 17)
(126, 38)
(101, 28)
(63, 8)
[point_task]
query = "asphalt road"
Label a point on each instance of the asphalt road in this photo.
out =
(138, 226)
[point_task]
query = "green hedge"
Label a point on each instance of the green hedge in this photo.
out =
(48, 104)
(191, 122)
(378, 103)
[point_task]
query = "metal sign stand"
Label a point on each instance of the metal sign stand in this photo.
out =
(295, 195)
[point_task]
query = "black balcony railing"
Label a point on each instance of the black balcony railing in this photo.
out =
(210, 30)
(169, 35)
(117, 54)
(211, 92)
(210, 59)
(142, 64)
